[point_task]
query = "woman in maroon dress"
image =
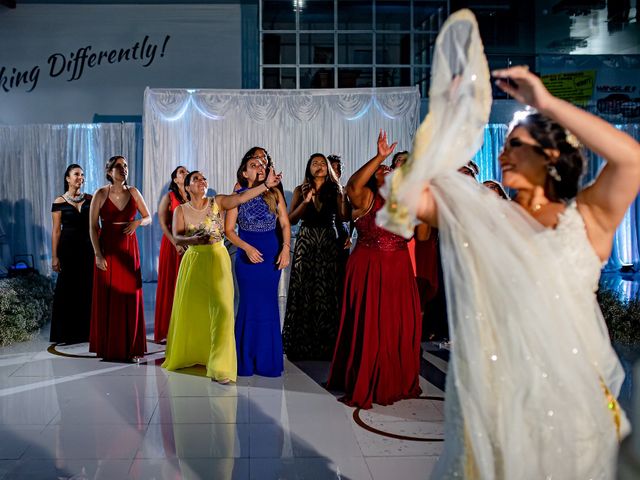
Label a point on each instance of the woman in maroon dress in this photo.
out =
(170, 254)
(377, 355)
(117, 315)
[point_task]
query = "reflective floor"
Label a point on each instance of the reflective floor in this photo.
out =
(66, 415)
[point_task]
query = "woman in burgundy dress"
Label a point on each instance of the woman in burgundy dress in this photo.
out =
(117, 315)
(170, 254)
(377, 355)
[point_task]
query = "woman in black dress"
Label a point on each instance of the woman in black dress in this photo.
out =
(72, 258)
(312, 317)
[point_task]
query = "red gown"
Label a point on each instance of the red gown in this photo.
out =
(377, 355)
(168, 265)
(117, 313)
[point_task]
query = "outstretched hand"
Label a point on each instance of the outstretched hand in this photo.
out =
(273, 180)
(523, 85)
(384, 149)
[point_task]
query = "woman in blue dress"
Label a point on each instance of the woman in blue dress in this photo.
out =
(259, 261)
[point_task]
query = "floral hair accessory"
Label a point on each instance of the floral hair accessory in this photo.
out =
(572, 139)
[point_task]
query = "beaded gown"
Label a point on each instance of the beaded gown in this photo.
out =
(577, 433)
(71, 314)
(201, 327)
(312, 315)
(377, 355)
(168, 265)
(117, 318)
(257, 328)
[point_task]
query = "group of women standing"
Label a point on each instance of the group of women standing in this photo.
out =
(363, 315)
(95, 252)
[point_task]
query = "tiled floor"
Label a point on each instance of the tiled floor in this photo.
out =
(81, 418)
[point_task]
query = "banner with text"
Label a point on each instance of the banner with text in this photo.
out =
(68, 63)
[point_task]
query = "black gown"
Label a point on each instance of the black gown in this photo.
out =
(71, 314)
(312, 317)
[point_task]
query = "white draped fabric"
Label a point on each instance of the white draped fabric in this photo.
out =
(531, 356)
(33, 159)
(210, 130)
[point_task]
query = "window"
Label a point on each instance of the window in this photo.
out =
(348, 43)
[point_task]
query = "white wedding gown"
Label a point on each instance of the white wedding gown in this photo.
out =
(532, 378)
(577, 440)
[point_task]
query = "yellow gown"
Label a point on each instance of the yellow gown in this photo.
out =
(202, 318)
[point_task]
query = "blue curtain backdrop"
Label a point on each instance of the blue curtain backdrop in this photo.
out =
(625, 245)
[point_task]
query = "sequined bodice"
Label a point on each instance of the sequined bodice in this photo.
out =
(255, 216)
(207, 220)
(372, 236)
(575, 252)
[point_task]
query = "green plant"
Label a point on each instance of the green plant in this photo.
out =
(25, 306)
(622, 318)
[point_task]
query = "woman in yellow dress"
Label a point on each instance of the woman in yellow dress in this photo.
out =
(202, 318)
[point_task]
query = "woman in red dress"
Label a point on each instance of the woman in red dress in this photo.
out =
(170, 254)
(377, 355)
(117, 314)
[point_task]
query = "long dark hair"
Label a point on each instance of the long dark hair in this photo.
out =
(173, 186)
(67, 172)
(270, 197)
(110, 164)
(569, 164)
(331, 186)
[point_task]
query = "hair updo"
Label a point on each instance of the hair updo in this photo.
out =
(111, 163)
(569, 164)
(67, 172)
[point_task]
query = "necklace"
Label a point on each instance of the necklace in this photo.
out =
(77, 199)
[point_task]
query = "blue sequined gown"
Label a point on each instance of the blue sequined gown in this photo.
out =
(258, 337)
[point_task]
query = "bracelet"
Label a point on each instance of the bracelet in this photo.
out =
(286, 245)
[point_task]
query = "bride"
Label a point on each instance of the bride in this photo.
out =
(533, 378)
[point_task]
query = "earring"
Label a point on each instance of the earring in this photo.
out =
(553, 172)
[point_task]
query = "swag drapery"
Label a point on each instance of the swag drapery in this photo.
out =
(210, 130)
(33, 159)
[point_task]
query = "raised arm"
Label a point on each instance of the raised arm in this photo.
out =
(94, 225)
(359, 195)
(608, 198)
(227, 202)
